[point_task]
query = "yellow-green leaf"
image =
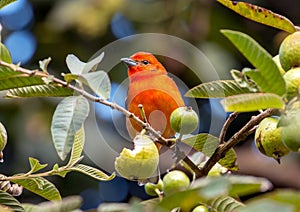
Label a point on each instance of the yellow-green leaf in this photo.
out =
(41, 187)
(92, 172)
(4, 53)
(35, 165)
(217, 89)
(50, 90)
(8, 200)
(207, 144)
(252, 102)
(77, 146)
(267, 75)
(70, 203)
(260, 15)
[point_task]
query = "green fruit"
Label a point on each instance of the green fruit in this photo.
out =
(184, 120)
(289, 51)
(290, 137)
(277, 61)
(153, 189)
(292, 81)
(200, 208)
(268, 139)
(3, 140)
(141, 162)
(290, 123)
(175, 181)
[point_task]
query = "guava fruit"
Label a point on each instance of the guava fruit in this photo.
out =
(141, 162)
(289, 51)
(175, 181)
(292, 82)
(184, 120)
(268, 139)
(290, 124)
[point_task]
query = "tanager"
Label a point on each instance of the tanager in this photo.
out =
(151, 87)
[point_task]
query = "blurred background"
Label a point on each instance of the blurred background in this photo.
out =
(35, 30)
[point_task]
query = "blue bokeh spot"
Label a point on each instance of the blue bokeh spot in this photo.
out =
(22, 46)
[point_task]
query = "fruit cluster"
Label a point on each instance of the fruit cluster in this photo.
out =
(277, 136)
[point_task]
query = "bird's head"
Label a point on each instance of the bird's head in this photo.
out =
(143, 61)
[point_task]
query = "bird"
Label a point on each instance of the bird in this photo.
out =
(151, 87)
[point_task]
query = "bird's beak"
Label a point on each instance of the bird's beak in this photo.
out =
(129, 62)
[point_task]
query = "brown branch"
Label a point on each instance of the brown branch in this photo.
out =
(239, 136)
(230, 119)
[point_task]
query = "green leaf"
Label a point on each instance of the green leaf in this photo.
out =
(13, 79)
(50, 90)
(99, 82)
(68, 118)
(271, 81)
(252, 102)
(70, 203)
(41, 187)
(247, 185)
(284, 196)
(35, 165)
(92, 172)
(8, 200)
(239, 185)
(206, 190)
(260, 15)
(268, 205)
(4, 53)
(207, 144)
(242, 80)
(224, 204)
(217, 89)
(78, 67)
(77, 146)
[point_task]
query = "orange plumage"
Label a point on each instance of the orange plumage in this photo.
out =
(154, 89)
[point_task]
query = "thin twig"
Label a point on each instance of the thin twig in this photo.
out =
(230, 119)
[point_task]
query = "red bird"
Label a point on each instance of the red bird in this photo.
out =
(151, 86)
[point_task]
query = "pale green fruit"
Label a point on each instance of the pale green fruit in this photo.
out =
(268, 139)
(3, 140)
(292, 81)
(290, 123)
(141, 162)
(184, 120)
(175, 181)
(289, 51)
(200, 208)
(151, 188)
(277, 61)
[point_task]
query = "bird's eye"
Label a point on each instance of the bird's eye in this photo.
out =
(145, 62)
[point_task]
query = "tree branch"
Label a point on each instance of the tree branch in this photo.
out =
(239, 136)
(230, 119)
